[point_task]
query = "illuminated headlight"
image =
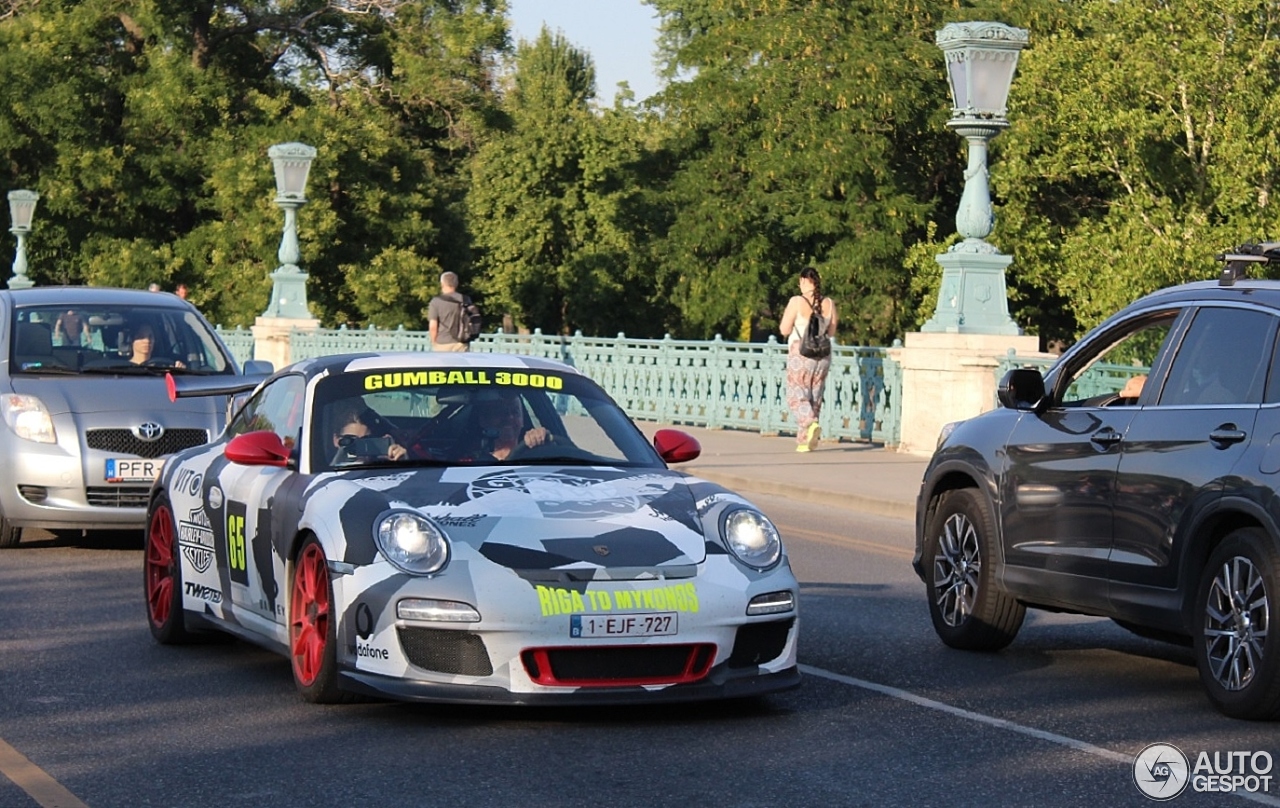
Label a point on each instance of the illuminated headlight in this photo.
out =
(28, 418)
(752, 538)
(440, 611)
(411, 542)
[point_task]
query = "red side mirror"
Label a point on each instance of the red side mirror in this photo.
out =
(675, 446)
(257, 449)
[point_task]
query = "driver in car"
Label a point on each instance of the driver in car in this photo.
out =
(501, 421)
(143, 346)
(352, 440)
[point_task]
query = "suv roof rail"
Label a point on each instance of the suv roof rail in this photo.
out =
(1237, 263)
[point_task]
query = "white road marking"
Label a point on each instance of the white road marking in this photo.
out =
(1000, 723)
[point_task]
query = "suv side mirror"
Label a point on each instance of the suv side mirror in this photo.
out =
(1021, 389)
(257, 367)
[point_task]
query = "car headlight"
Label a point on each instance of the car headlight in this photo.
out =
(945, 433)
(28, 418)
(412, 543)
(752, 538)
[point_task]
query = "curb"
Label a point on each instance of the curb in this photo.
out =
(851, 502)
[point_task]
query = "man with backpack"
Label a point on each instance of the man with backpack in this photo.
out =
(453, 317)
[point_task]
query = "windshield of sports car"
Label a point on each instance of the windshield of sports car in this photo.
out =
(471, 416)
(135, 340)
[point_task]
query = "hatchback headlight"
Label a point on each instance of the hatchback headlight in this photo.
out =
(28, 418)
(752, 538)
(411, 542)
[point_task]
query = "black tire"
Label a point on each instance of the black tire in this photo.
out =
(1236, 605)
(162, 576)
(967, 609)
(313, 628)
(9, 535)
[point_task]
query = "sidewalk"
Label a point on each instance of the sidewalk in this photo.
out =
(856, 476)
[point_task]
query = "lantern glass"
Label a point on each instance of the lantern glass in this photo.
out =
(22, 208)
(958, 76)
(990, 76)
(292, 162)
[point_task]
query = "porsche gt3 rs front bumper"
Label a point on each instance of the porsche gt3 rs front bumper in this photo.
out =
(503, 638)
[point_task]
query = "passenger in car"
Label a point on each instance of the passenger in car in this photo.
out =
(348, 438)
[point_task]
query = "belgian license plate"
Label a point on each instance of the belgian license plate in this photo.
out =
(133, 470)
(622, 625)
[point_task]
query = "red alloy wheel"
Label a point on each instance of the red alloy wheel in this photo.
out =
(160, 566)
(309, 614)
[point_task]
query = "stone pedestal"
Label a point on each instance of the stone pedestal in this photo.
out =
(271, 337)
(950, 377)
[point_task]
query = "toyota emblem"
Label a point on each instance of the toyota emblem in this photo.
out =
(149, 431)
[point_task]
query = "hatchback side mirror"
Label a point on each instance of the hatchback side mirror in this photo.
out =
(1021, 389)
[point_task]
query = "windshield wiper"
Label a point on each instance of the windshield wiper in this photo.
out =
(36, 369)
(125, 368)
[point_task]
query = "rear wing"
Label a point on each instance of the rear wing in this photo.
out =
(192, 386)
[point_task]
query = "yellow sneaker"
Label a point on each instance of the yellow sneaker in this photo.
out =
(815, 432)
(804, 447)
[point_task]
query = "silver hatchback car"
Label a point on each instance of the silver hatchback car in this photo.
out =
(87, 417)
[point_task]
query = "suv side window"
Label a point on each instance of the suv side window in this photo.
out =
(1221, 359)
(1127, 360)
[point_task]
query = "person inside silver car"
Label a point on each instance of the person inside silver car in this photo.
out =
(142, 346)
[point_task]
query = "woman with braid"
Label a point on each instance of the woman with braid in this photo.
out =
(807, 378)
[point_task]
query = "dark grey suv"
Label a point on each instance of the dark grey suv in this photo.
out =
(1137, 479)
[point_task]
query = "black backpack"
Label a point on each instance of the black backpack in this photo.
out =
(815, 343)
(470, 322)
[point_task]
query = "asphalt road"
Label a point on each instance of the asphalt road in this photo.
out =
(93, 712)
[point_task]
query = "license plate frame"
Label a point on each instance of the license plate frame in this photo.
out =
(132, 469)
(642, 624)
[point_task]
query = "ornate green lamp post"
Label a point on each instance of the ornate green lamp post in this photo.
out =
(22, 207)
(981, 58)
(292, 163)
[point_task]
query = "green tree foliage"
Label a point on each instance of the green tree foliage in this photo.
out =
(145, 130)
(805, 132)
(548, 199)
(1142, 144)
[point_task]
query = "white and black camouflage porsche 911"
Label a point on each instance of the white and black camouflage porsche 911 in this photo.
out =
(466, 528)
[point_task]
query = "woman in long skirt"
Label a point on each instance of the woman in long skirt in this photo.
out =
(806, 377)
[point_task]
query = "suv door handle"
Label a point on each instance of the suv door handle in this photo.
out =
(1226, 435)
(1106, 437)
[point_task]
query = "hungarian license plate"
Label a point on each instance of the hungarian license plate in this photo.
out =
(133, 470)
(622, 625)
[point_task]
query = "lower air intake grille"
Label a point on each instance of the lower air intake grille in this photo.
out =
(122, 441)
(758, 643)
(444, 651)
(618, 666)
(117, 497)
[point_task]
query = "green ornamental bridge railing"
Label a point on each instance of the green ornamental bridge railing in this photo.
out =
(714, 384)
